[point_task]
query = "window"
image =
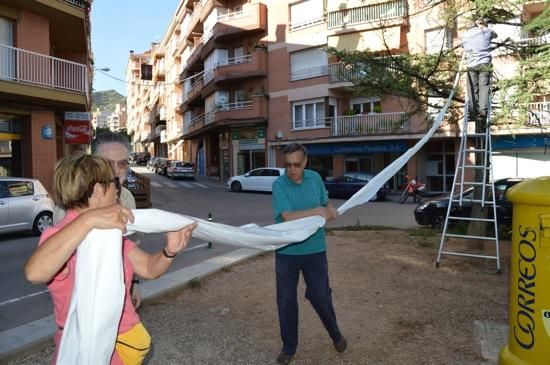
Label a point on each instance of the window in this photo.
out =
(366, 105)
(437, 39)
(308, 114)
(7, 55)
(305, 14)
(308, 63)
(20, 188)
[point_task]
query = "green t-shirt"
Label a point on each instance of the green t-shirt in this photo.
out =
(289, 196)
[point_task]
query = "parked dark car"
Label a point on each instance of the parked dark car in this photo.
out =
(351, 182)
(433, 212)
(142, 158)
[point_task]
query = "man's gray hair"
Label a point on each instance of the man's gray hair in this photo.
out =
(110, 137)
(295, 147)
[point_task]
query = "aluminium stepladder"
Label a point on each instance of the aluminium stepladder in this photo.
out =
(477, 145)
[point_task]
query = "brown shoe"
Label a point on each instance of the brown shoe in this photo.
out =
(284, 359)
(341, 345)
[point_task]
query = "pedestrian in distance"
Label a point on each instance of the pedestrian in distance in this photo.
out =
(85, 186)
(297, 194)
(115, 148)
(477, 46)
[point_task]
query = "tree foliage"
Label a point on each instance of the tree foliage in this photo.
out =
(417, 76)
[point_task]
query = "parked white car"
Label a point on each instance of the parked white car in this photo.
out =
(260, 179)
(24, 205)
(178, 169)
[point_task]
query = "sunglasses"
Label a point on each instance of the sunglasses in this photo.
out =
(116, 180)
(295, 164)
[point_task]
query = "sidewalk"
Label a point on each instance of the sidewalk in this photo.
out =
(392, 304)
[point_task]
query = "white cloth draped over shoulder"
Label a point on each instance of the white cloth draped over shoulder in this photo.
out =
(96, 304)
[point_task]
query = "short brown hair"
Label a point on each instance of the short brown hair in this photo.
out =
(75, 177)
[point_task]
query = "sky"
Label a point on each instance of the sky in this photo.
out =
(120, 26)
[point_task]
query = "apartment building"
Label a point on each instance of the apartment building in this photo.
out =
(228, 112)
(310, 101)
(44, 74)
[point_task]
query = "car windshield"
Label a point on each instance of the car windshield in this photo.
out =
(184, 164)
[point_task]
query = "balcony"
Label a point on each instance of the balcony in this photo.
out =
(369, 124)
(306, 23)
(251, 20)
(242, 112)
(163, 136)
(159, 129)
(162, 113)
(539, 114)
(196, 88)
(241, 68)
(367, 14)
(21, 66)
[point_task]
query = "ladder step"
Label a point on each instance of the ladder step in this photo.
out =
(466, 236)
(473, 183)
(472, 201)
(469, 255)
(476, 135)
(476, 167)
(472, 219)
(475, 150)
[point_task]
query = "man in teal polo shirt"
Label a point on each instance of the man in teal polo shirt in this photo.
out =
(297, 194)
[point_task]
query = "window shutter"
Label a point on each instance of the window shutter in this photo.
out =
(6, 32)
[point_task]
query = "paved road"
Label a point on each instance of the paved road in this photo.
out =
(195, 198)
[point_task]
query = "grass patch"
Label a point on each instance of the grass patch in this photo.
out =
(195, 283)
(423, 232)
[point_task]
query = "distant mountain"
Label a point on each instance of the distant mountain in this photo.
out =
(107, 100)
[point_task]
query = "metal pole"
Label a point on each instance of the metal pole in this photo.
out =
(210, 220)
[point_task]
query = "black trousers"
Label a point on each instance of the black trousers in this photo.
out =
(314, 268)
(479, 87)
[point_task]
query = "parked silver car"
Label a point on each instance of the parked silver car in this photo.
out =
(24, 205)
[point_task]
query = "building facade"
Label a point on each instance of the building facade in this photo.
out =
(255, 76)
(44, 73)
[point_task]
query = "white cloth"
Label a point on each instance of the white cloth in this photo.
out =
(90, 330)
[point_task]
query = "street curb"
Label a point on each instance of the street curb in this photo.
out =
(37, 335)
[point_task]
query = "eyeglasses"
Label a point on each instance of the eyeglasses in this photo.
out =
(121, 165)
(116, 180)
(293, 164)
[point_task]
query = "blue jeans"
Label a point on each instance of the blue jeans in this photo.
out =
(314, 268)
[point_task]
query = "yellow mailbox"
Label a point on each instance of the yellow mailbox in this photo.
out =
(529, 312)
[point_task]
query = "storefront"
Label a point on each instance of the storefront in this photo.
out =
(521, 156)
(248, 146)
(10, 147)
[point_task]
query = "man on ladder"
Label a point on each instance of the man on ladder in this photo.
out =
(477, 51)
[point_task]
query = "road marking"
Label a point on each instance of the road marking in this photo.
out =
(170, 185)
(185, 185)
(155, 184)
(201, 185)
(23, 297)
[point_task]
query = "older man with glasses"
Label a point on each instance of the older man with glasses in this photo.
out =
(115, 148)
(298, 194)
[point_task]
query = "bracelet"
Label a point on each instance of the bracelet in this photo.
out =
(135, 281)
(165, 254)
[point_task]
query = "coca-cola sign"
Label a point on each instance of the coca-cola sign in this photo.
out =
(77, 132)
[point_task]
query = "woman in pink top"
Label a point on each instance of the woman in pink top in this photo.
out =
(85, 186)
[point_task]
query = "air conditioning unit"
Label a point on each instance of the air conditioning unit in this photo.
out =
(279, 134)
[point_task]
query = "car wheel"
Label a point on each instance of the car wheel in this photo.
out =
(41, 222)
(236, 186)
(437, 222)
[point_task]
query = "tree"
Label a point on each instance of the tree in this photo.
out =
(420, 77)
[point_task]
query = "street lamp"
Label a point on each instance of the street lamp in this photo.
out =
(104, 69)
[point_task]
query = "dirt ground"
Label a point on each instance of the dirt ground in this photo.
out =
(392, 304)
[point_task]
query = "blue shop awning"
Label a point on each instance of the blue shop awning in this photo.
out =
(511, 142)
(356, 148)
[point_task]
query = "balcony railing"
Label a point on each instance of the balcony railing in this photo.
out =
(367, 13)
(231, 15)
(366, 124)
(210, 73)
(539, 114)
(19, 65)
(340, 72)
(306, 23)
(78, 3)
(239, 105)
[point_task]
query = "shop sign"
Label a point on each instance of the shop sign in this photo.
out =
(47, 131)
(77, 132)
(248, 133)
